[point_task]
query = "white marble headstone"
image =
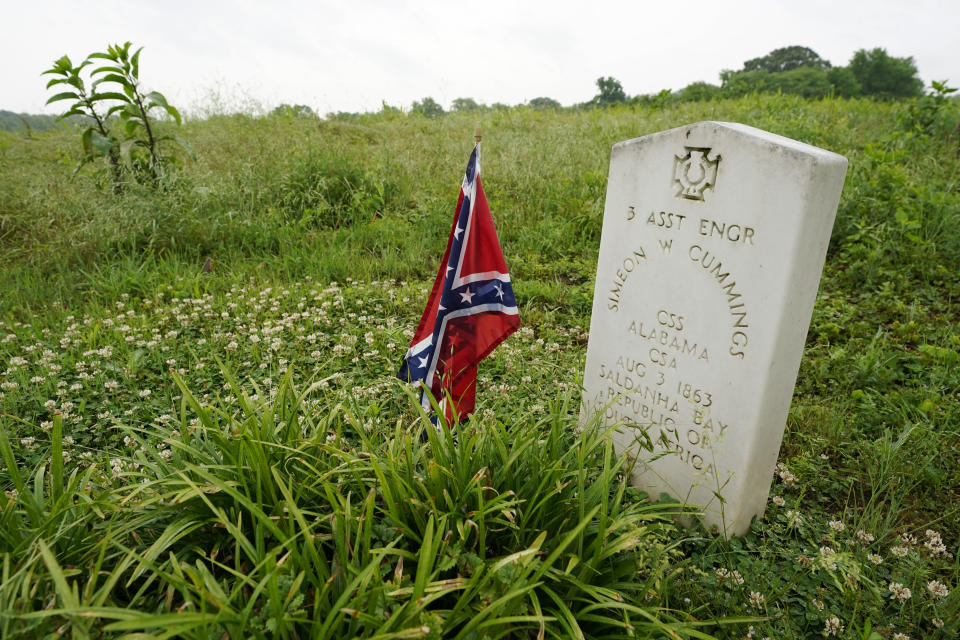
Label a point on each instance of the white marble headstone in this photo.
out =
(714, 237)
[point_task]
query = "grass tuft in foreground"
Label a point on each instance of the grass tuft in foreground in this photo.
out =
(284, 518)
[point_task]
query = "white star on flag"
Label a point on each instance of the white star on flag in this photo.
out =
(467, 296)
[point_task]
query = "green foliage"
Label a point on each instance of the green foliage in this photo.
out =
(800, 71)
(96, 139)
(138, 147)
(467, 105)
(544, 104)
(844, 82)
(884, 76)
(331, 192)
(428, 108)
(808, 82)
(10, 121)
(787, 59)
(935, 113)
(699, 91)
(611, 92)
(293, 111)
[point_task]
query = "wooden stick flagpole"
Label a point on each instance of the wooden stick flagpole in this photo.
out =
(476, 133)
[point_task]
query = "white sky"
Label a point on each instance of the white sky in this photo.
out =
(350, 55)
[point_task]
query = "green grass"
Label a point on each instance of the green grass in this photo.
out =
(193, 454)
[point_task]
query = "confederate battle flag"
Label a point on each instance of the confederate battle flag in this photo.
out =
(471, 308)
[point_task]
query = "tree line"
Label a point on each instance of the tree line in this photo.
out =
(792, 70)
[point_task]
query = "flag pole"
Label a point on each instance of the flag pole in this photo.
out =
(476, 133)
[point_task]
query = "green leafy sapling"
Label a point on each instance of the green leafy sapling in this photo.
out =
(96, 138)
(141, 145)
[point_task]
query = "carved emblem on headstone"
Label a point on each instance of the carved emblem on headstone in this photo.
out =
(694, 172)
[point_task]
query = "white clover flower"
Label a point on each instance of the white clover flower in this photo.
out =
(864, 536)
(874, 558)
(934, 543)
(900, 551)
(111, 385)
(828, 558)
(28, 441)
(937, 589)
(832, 626)
(935, 547)
(900, 636)
(837, 525)
(757, 599)
(937, 622)
(899, 592)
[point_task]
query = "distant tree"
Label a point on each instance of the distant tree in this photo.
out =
(809, 82)
(844, 83)
(428, 107)
(611, 92)
(500, 106)
(786, 59)
(883, 76)
(699, 91)
(543, 104)
(347, 116)
(465, 105)
(294, 111)
(739, 83)
(390, 111)
(10, 121)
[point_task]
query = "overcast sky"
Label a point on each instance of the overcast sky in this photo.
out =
(209, 55)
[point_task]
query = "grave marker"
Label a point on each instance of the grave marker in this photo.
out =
(714, 238)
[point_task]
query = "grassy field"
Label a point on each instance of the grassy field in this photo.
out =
(201, 435)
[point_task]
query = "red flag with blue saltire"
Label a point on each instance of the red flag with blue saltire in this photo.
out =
(471, 308)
